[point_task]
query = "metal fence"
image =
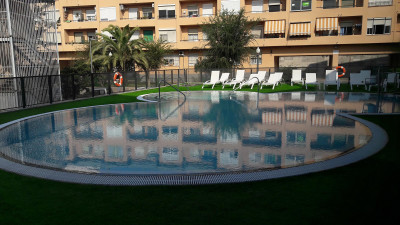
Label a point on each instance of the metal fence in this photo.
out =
(21, 92)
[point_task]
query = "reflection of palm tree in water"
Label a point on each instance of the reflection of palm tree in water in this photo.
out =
(229, 117)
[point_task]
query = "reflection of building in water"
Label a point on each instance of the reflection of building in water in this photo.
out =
(277, 134)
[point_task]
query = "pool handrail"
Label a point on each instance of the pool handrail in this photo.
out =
(159, 89)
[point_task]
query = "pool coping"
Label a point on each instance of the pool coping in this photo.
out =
(377, 142)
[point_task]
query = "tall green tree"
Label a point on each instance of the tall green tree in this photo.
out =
(229, 35)
(154, 53)
(126, 53)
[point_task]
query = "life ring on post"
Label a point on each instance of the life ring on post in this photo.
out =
(343, 69)
(118, 79)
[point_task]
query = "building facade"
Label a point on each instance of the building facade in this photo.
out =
(295, 33)
(28, 53)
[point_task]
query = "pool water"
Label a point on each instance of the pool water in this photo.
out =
(208, 132)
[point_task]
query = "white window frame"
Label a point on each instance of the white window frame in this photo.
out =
(253, 59)
(192, 59)
(208, 9)
(169, 34)
(146, 11)
(193, 36)
(373, 22)
(108, 14)
(194, 9)
(167, 8)
(91, 15)
(171, 60)
(256, 7)
(373, 3)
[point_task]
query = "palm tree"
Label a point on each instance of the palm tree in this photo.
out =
(125, 51)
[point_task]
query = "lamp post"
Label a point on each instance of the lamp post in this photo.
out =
(258, 55)
(109, 55)
(90, 52)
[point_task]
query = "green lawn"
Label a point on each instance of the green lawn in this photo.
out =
(361, 193)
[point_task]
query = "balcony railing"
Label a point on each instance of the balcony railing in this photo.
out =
(372, 3)
(280, 9)
(81, 20)
(138, 18)
(196, 16)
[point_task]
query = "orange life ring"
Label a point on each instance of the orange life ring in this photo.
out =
(343, 69)
(118, 79)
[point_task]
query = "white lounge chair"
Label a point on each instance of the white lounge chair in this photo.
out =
(360, 78)
(331, 78)
(224, 78)
(311, 78)
(393, 78)
(213, 80)
(239, 78)
(252, 80)
(273, 80)
(296, 77)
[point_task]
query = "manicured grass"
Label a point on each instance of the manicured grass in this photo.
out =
(361, 193)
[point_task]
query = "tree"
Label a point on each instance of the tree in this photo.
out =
(125, 51)
(228, 34)
(154, 53)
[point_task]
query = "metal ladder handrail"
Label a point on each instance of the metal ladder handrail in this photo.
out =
(159, 89)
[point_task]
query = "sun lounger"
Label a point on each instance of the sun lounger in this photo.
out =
(360, 78)
(213, 80)
(311, 78)
(239, 78)
(331, 78)
(296, 77)
(252, 80)
(273, 80)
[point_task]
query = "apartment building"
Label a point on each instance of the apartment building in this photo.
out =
(290, 32)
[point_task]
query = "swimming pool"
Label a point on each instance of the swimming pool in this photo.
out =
(207, 134)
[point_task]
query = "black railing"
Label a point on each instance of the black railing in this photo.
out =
(22, 92)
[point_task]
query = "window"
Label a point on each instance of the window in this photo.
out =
(379, 26)
(253, 59)
(91, 35)
(205, 37)
(257, 6)
(274, 5)
(78, 37)
(77, 16)
(347, 3)
(108, 14)
(346, 28)
(207, 9)
(257, 31)
(230, 5)
(193, 59)
(380, 2)
(193, 11)
(301, 5)
(328, 4)
(168, 35)
(135, 35)
(166, 11)
(193, 35)
(147, 13)
(90, 15)
(171, 60)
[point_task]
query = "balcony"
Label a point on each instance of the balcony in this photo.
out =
(334, 4)
(375, 3)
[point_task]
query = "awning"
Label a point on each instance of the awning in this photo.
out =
(274, 27)
(327, 24)
(296, 116)
(322, 120)
(297, 29)
(272, 117)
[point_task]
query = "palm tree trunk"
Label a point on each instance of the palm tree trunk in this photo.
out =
(147, 78)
